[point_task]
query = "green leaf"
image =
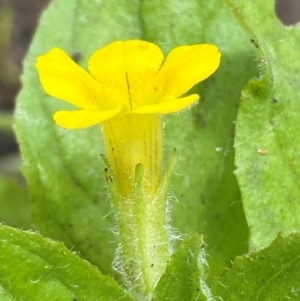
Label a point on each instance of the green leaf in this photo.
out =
(35, 268)
(14, 203)
(63, 168)
(208, 196)
(184, 276)
(271, 274)
(267, 140)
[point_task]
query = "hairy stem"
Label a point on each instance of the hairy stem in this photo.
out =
(144, 238)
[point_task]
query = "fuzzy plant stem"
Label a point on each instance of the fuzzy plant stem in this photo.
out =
(144, 237)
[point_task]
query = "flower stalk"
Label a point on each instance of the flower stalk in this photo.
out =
(145, 244)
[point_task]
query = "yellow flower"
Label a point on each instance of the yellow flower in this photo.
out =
(127, 90)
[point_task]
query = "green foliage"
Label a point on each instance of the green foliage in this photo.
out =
(271, 274)
(63, 168)
(208, 196)
(35, 268)
(65, 173)
(181, 279)
(267, 129)
(14, 204)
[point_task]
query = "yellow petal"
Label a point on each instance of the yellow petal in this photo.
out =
(186, 66)
(62, 78)
(142, 60)
(169, 106)
(82, 119)
(128, 68)
(108, 68)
